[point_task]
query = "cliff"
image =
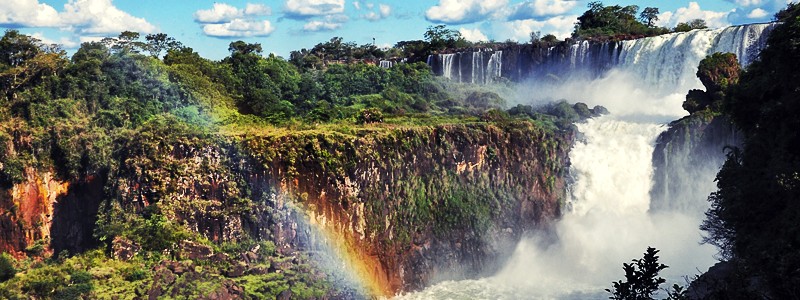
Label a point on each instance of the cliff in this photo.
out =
(403, 205)
(690, 150)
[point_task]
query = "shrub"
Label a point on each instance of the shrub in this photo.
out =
(641, 278)
(369, 115)
(7, 270)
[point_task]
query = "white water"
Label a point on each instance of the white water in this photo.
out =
(608, 224)
(609, 220)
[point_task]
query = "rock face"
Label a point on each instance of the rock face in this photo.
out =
(404, 206)
(414, 204)
(686, 159)
(27, 211)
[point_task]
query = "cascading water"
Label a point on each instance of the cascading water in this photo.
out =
(645, 58)
(608, 223)
(609, 218)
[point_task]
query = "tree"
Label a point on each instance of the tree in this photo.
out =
(440, 37)
(691, 25)
(754, 212)
(241, 47)
(641, 278)
(535, 36)
(649, 15)
(159, 43)
(126, 42)
(605, 21)
(24, 61)
(7, 270)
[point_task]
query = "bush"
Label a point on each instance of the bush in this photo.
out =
(7, 270)
(641, 278)
(369, 115)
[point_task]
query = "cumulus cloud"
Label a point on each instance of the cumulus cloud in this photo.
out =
(85, 17)
(463, 11)
(27, 13)
(714, 19)
(757, 13)
(534, 9)
(300, 9)
(220, 13)
(357, 5)
(520, 30)
(223, 13)
(321, 26)
(239, 28)
(328, 23)
(63, 41)
(747, 2)
(756, 10)
(96, 17)
(227, 21)
(473, 35)
(257, 10)
(383, 12)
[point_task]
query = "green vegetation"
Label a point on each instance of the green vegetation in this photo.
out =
(641, 278)
(691, 25)
(754, 212)
(176, 140)
(616, 22)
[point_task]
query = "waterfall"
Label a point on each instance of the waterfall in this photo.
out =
(608, 223)
(495, 67)
(669, 62)
(666, 62)
(386, 64)
(611, 216)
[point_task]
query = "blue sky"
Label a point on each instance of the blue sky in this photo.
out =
(283, 26)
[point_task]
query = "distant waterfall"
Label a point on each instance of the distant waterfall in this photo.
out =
(386, 64)
(484, 66)
(668, 60)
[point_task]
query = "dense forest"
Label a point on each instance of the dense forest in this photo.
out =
(753, 215)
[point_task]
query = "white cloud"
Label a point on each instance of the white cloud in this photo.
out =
(84, 17)
(533, 9)
(463, 11)
(383, 12)
(220, 13)
(520, 30)
(63, 41)
(756, 10)
(473, 35)
(714, 19)
(227, 21)
(223, 13)
(757, 13)
(747, 2)
(321, 26)
(239, 28)
(327, 23)
(257, 10)
(357, 5)
(312, 8)
(97, 17)
(27, 13)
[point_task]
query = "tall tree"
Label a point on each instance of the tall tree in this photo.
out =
(159, 43)
(649, 16)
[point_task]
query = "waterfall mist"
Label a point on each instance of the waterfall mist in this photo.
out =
(608, 219)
